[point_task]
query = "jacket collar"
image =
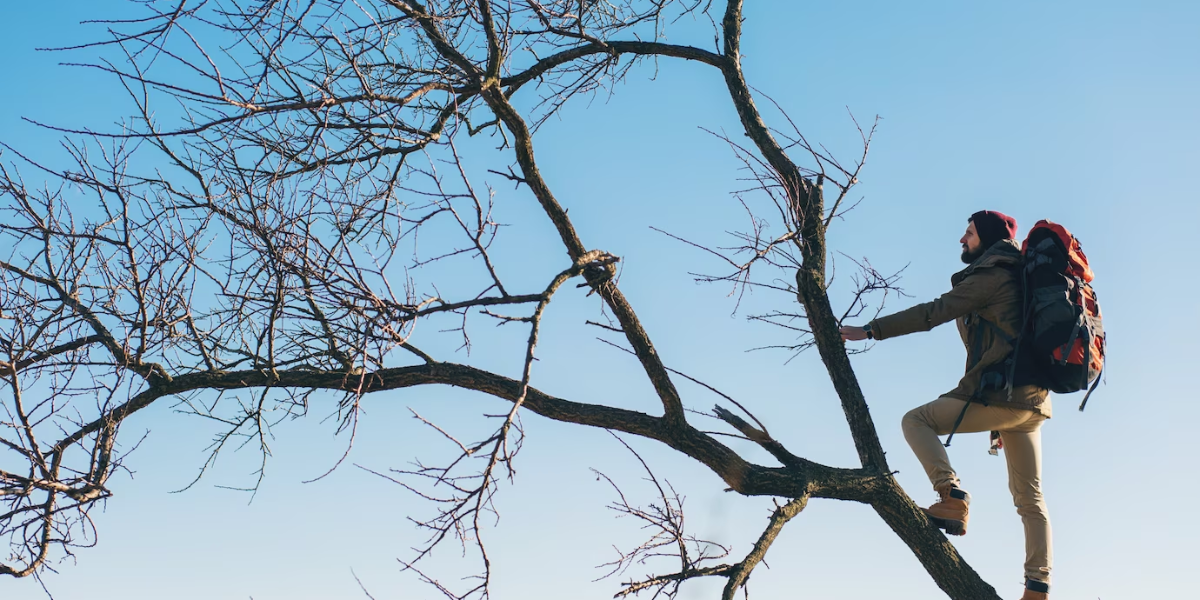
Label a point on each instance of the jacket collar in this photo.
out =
(1002, 253)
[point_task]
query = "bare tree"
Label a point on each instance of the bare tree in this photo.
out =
(289, 155)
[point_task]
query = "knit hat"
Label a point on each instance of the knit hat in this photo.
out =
(992, 227)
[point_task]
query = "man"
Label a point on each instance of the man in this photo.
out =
(986, 302)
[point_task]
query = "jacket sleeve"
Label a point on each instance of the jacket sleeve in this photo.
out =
(970, 295)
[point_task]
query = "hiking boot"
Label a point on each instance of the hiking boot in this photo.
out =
(952, 511)
(1036, 590)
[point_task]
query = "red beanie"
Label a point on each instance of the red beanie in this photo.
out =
(993, 226)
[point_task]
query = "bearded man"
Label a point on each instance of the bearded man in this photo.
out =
(986, 301)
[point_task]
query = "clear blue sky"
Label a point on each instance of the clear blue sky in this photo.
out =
(1081, 112)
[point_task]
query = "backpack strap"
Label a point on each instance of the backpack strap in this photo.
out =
(1089, 392)
(959, 420)
(976, 348)
(1087, 363)
(1016, 345)
(996, 328)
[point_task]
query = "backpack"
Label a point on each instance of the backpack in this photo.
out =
(1062, 325)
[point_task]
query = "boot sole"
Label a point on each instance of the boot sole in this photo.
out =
(950, 526)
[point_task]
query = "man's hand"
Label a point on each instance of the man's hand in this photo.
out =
(853, 334)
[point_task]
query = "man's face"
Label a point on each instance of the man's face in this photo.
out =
(970, 242)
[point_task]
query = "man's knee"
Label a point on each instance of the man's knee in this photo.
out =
(938, 416)
(1034, 512)
(915, 419)
(1029, 500)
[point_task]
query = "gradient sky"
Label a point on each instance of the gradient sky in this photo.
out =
(1084, 112)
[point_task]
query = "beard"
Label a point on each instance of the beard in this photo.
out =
(969, 257)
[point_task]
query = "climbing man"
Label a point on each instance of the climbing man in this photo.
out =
(986, 302)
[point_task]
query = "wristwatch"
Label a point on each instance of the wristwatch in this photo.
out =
(867, 328)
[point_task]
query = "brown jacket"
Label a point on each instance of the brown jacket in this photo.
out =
(986, 289)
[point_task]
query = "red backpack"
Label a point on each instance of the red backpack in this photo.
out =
(1062, 325)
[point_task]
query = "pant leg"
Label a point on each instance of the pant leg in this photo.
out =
(1023, 452)
(923, 424)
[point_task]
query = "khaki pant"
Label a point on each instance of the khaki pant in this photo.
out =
(1021, 431)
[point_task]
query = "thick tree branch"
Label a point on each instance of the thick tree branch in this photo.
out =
(611, 47)
(746, 478)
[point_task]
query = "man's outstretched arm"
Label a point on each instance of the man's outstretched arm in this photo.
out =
(968, 296)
